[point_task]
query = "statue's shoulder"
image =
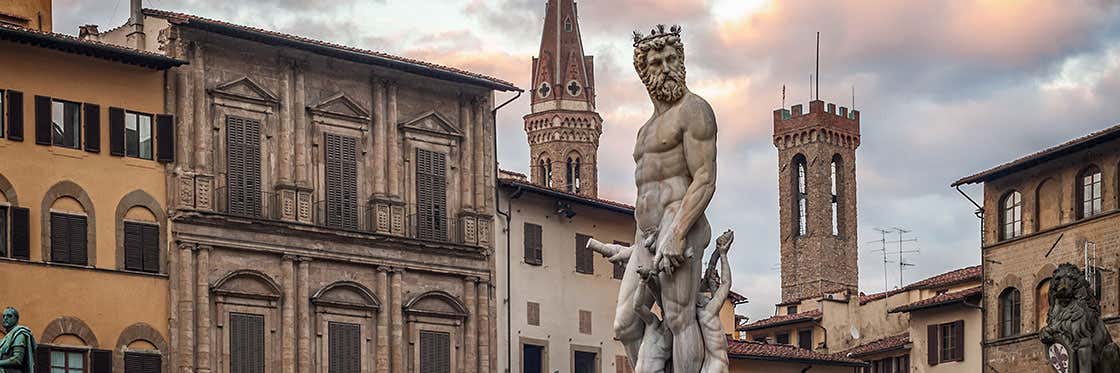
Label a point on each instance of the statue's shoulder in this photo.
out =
(694, 101)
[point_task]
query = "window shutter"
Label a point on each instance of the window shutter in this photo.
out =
(15, 115)
(92, 115)
(133, 247)
(42, 359)
(142, 363)
(932, 347)
(349, 192)
(149, 249)
(958, 336)
(116, 131)
(165, 138)
(77, 240)
(435, 352)
(533, 313)
(43, 120)
(21, 233)
(60, 248)
(533, 252)
(341, 174)
(439, 194)
(585, 322)
(431, 193)
(246, 343)
(101, 361)
(243, 166)
(252, 143)
(344, 345)
(584, 261)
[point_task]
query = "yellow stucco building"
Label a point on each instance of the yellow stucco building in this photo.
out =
(83, 229)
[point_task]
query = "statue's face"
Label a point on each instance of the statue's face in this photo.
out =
(10, 319)
(1064, 286)
(664, 73)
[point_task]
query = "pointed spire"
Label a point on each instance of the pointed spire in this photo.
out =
(561, 70)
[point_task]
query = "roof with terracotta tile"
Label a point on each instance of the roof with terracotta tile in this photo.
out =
(1042, 156)
(948, 278)
(895, 342)
(940, 300)
(751, 350)
(524, 184)
(334, 50)
(736, 298)
(783, 320)
(92, 48)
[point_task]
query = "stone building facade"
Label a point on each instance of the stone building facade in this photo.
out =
(1059, 205)
(563, 127)
(331, 207)
(82, 253)
(817, 199)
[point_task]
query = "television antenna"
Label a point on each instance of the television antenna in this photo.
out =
(902, 264)
(889, 253)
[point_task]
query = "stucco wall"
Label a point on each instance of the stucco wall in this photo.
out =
(919, 320)
(37, 12)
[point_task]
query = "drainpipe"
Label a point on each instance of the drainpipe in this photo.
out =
(508, 217)
(983, 278)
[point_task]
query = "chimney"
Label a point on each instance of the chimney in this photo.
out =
(136, 23)
(88, 32)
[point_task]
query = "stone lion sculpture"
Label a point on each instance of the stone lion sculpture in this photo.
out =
(1074, 321)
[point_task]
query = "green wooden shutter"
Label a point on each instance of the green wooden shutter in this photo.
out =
(92, 114)
(344, 347)
(15, 115)
(149, 248)
(101, 361)
(60, 246)
(116, 131)
(21, 233)
(246, 343)
(165, 138)
(435, 352)
(133, 247)
(43, 120)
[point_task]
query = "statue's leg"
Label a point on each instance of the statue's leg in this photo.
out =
(678, 292)
(628, 328)
(1085, 360)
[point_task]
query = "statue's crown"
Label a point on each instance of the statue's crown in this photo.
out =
(657, 32)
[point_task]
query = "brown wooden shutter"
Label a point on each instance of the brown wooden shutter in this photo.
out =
(341, 174)
(932, 348)
(101, 361)
(533, 251)
(243, 166)
(92, 114)
(431, 193)
(585, 322)
(149, 247)
(116, 131)
(165, 138)
(533, 313)
(60, 247)
(142, 363)
(42, 359)
(246, 343)
(15, 115)
(21, 233)
(133, 247)
(958, 337)
(43, 120)
(435, 352)
(585, 262)
(344, 346)
(77, 239)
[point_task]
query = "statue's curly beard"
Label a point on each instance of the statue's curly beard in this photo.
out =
(667, 86)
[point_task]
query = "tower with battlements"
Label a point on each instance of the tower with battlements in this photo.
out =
(562, 127)
(817, 189)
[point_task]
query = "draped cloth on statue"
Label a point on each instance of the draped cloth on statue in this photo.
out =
(19, 336)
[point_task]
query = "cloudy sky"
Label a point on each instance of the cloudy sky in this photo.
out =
(945, 88)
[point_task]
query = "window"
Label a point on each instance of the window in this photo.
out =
(138, 135)
(67, 361)
(572, 178)
(585, 322)
(65, 124)
(545, 166)
(19, 228)
(533, 313)
(68, 238)
(945, 342)
(894, 364)
(345, 348)
(835, 169)
(532, 358)
(431, 195)
(568, 24)
(1009, 313)
(585, 261)
(340, 171)
(805, 339)
(801, 196)
(243, 166)
(1090, 192)
(246, 343)
(585, 362)
(533, 245)
(135, 362)
(1011, 215)
(3, 231)
(435, 352)
(141, 247)
(620, 267)
(1042, 302)
(791, 309)
(574, 88)
(782, 339)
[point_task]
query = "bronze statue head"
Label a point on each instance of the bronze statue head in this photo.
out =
(11, 318)
(659, 61)
(1067, 282)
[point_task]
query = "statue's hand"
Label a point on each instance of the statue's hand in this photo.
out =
(671, 254)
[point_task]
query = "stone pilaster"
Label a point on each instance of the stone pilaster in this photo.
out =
(304, 317)
(466, 156)
(186, 307)
(284, 140)
(487, 144)
(202, 126)
(202, 291)
(381, 362)
(470, 353)
(479, 110)
(398, 341)
(299, 116)
(184, 110)
(380, 133)
(172, 311)
(394, 151)
(483, 326)
(288, 316)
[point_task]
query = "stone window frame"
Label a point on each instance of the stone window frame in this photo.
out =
(1016, 317)
(542, 343)
(1079, 191)
(1037, 203)
(800, 201)
(451, 146)
(418, 319)
(67, 188)
(10, 200)
(836, 178)
(69, 325)
(140, 198)
(264, 110)
(1011, 202)
(598, 351)
(141, 331)
(323, 123)
(362, 314)
(231, 299)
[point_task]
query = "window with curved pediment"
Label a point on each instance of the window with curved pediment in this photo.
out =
(247, 304)
(434, 320)
(345, 315)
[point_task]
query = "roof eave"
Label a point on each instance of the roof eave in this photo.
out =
(551, 193)
(105, 52)
(1040, 157)
(795, 360)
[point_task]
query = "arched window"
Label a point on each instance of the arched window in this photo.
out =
(571, 180)
(800, 196)
(578, 179)
(1089, 191)
(1011, 215)
(1010, 317)
(548, 172)
(835, 178)
(1042, 302)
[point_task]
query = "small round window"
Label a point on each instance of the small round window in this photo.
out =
(574, 88)
(544, 89)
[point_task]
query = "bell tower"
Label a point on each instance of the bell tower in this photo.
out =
(563, 127)
(817, 191)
